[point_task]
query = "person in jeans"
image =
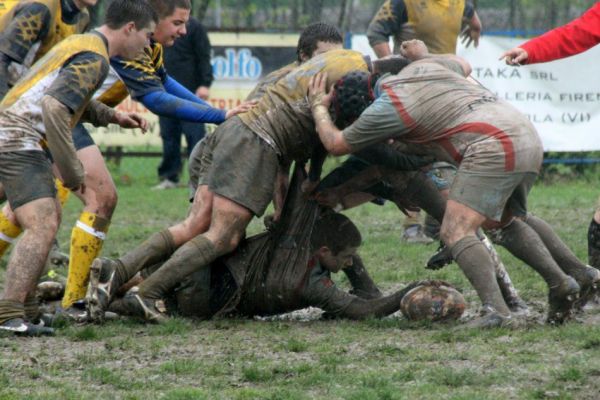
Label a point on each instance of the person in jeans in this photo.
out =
(188, 61)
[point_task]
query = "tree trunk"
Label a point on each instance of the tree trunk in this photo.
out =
(552, 14)
(342, 17)
(512, 14)
(316, 10)
(199, 9)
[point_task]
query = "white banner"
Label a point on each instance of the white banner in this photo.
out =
(561, 98)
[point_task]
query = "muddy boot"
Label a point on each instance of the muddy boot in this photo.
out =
(104, 283)
(75, 314)
(441, 258)
(134, 305)
(594, 244)
(490, 318)
(589, 282)
(107, 276)
(560, 301)
(20, 327)
(50, 291)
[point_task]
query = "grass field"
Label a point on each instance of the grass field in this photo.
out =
(292, 359)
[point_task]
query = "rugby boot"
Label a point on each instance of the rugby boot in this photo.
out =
(104, 283)
(490, 318)
(517, 306)
(76, 313)
(594, 244)
(414, 234)
(50, 291)
(560, 301)
(20, 327)
(134, 305)
(441, 258)
(588, 280)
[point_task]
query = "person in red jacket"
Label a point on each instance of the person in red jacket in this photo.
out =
(573, 38)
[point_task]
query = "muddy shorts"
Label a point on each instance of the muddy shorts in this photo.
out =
(194, 166)
(26, 176)
(490, 193)
(81, 137)
(239, 165)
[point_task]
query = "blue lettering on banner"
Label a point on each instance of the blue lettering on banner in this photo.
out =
(238, 64)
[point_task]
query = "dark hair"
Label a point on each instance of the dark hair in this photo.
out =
(166, 8)
(335, 231)
(353, 93)
(317, 32)
(120, 12)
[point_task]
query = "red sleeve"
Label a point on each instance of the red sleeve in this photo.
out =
(567, 40)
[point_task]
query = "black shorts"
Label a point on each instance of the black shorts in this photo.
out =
(26, 176)
(81, 137)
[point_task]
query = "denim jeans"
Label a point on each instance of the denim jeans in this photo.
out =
(170, 132)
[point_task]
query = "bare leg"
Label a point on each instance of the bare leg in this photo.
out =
(39, 219)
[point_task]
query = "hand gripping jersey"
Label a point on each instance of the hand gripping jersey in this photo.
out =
(432, 108)
(30, 28)
(71, 72)
(283, 117)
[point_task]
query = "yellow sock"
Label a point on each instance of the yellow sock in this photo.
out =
(87, 238)
(62, 193)
(8, 233)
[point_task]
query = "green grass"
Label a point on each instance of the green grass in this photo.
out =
(373, 359)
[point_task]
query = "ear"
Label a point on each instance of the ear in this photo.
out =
(303, 57)
(129, 27)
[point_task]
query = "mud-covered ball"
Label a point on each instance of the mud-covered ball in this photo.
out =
(434, 301)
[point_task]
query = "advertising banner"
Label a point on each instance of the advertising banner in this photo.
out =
(561, 98)
(239, 61)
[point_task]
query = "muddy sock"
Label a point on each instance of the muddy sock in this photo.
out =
(32, 308)
(10, 309)
(563, 256)
(475, 261)
(594, 244)
(525, 244)
(422, 192)
(155, 249)
(62, 193)
(362, 284)
(509, 292)
(196, 254)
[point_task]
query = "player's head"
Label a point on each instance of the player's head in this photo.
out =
(316, 39)
(121, 12)
(353, 93)
(335, 240)
(133, 22)
(172, 17)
